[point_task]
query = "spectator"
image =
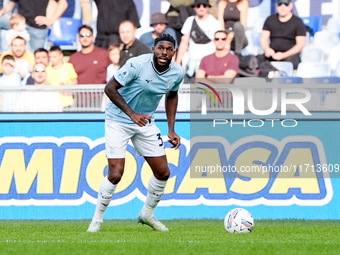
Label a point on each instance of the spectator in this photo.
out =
(114, 54)
(9, 78)
(18, 24)
(159, 23)
(35, 13)
(40, 100)
(110, 15)
(61, 74)
(221, 64)
(4, 24)
(24, 60)
(132, 47)
(91, 62)
(198, 32)
(232, 14)
(180, 10)
(286, 32)
(40, 56)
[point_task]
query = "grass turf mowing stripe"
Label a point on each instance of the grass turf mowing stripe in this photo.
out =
(185, 237)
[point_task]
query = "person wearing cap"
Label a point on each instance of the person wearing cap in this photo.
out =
(159, 23)
(132, 47)
(221, 64)
(135, 92)
(198, 34)
(287, 34)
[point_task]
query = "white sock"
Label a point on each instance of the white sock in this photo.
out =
(105, 194)
(155, 192)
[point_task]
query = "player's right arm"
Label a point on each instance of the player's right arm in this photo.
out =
(111, 90)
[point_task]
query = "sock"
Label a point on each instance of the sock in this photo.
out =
(155, 192)
(105, 194)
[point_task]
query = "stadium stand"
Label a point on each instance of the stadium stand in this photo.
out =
(314, 22)
(287, 80)
(312, 54)
(285, 68)
(325, 41)
(313, 69)
(334, 57)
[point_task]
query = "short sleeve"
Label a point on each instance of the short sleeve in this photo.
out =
(266, 25)
(72, 73)
(178, 82)
(127, 72)
(301, 28)
(187, 25)
(203, 65)
(234, 63)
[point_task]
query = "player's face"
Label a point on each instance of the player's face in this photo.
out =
(283, 10)
(18, 47)
(7, 66)
(41, 57)
(127, 32)
(220, 41)
(39, 74)
(55, 57)
(114, 55)
(86, 38)
(163, 53)
(159, 28)
(201, 10)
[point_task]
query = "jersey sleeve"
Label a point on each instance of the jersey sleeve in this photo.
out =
(178, 82)
(127, 72)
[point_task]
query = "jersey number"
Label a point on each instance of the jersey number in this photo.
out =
(160, 138)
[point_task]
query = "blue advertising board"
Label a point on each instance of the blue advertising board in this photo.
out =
(51, 167)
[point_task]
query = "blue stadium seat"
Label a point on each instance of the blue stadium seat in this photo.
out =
(287, 80)
(64, 33)
(285, 68)
(333, 25)
(312, 54)
(313, 69)
(325, 80)
(334, 56)
(325, 41)
(314, 22)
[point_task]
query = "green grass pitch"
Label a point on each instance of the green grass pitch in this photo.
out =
(185, 237)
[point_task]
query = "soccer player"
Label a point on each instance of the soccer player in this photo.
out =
(134, 93)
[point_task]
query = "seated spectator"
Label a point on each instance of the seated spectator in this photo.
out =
(159, 23)
(232, 14)
(24, 60)
(35, 13)
(18, 24)
(132, 47)
(198, 32)
(286, 32)
(4, 24)
(114, 54)
(40, 100)
(90, 62)
(40, 56)
(8, 99)
(221, 66)
(61, 73)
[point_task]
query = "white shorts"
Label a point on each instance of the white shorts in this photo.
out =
(146, 140)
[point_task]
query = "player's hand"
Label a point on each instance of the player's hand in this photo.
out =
(269, 52)
(141, 119)
(174, 139)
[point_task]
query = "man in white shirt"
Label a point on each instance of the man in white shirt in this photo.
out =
(198, 34)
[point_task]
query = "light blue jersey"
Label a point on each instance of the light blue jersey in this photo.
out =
(143, 87)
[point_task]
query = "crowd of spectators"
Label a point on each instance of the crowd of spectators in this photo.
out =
(210, 39)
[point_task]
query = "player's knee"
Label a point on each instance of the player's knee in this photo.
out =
(163, 175)
(114, 177)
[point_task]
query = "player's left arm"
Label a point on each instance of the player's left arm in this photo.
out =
(171, 100)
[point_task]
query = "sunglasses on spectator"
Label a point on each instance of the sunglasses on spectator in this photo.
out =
(286, 4)
(199, 5)
(40, 69)
(87, 35)
(217, 38)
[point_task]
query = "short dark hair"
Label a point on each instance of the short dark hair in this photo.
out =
(165, 37)
(128, 21)
(56, 48)
(40, 50)
(8, 57)
(20, 38)
(85, 26)
(114, 46)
